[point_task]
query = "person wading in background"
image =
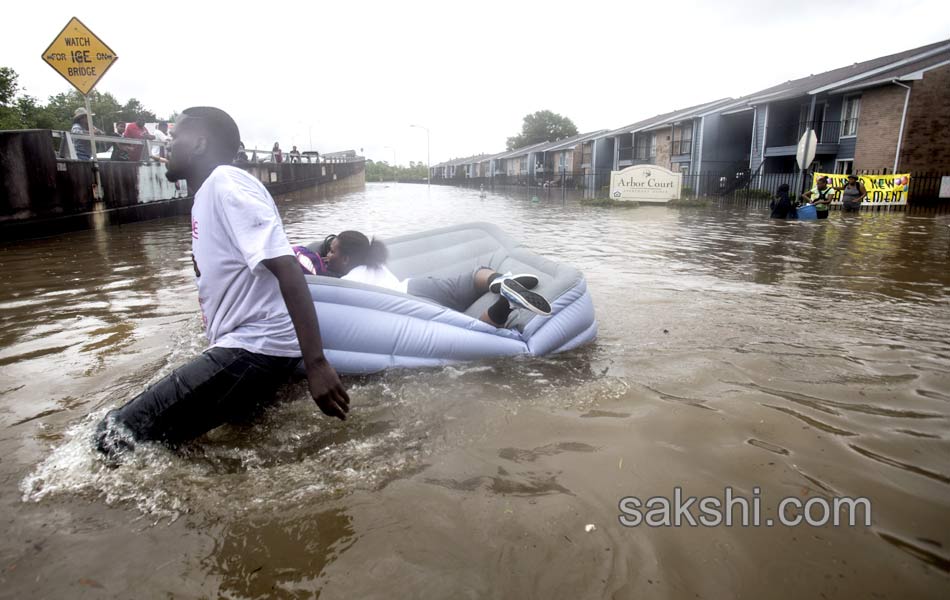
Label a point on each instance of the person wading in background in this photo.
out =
(852, 194)
(781, 206)
(820, 196)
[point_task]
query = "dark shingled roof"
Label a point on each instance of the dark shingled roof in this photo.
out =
(669, 117)
(805, 85)
(877, 71)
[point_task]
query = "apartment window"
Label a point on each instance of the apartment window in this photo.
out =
(852, 110)
(640, 151)
(844, 166)
(646, 146)
(683, 139)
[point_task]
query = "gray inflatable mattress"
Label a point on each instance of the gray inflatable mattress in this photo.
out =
(366, 328)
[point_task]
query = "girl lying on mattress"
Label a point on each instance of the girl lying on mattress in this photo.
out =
(354, 257)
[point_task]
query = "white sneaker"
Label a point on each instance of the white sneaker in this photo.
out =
(519, 297)
(528, 280)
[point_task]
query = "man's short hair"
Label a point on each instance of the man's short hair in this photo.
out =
(223, 133)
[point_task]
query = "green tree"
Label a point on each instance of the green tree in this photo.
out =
(542, 126)
(383, 171)
(21, 111)
(8, 85)
(106, 108)
(34, 115)
(133, 110)
(9, 116)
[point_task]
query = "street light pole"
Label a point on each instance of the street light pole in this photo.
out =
(428, 163)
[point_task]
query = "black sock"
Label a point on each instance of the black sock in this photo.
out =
(499, 311)
(493, 277)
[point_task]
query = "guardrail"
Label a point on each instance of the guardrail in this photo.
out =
(154, 150)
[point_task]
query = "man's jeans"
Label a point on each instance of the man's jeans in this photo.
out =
(221, 385)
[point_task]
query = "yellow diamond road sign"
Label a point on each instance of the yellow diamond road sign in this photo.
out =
(79, 56)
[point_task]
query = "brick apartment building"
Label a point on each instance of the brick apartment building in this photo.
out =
(861, 114)
(925, 146)
(887, 114)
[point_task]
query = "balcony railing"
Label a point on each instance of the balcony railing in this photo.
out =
(643, 153)
(626, 153)
(152, 149)
(827, 132)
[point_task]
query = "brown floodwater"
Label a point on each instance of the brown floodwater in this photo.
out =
(806, 360)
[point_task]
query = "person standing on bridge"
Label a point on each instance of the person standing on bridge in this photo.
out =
(136, 131)
(277, 153)
(161, 135)
(257, 310)
(82, 123)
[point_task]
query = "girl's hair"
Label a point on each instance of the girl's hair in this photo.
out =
(361, 250)
(783, 189)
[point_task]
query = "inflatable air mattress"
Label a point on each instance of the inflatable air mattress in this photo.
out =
(366, 329)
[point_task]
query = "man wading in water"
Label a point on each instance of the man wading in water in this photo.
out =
(258, 313)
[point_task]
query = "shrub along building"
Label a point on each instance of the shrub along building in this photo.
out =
(889, 114)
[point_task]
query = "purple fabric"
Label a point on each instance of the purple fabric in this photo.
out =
(309, 261)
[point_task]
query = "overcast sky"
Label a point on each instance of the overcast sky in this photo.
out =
(357, 74)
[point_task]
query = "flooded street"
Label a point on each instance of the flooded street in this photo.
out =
(804, 359)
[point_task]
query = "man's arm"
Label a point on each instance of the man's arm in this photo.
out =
(325, 386)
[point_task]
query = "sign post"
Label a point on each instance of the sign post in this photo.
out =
(82, 59)
(807, 148)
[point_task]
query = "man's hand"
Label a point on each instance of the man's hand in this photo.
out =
(325, 386)
(327, 390)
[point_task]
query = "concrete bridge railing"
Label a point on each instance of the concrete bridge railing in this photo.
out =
(40, 190)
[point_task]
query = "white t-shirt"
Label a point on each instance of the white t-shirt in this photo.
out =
(159, 137)
(380, 276)
(234, 226)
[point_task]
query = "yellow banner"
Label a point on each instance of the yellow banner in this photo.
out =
(882, 189)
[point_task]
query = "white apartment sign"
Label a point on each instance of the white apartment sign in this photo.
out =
(645, 183)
